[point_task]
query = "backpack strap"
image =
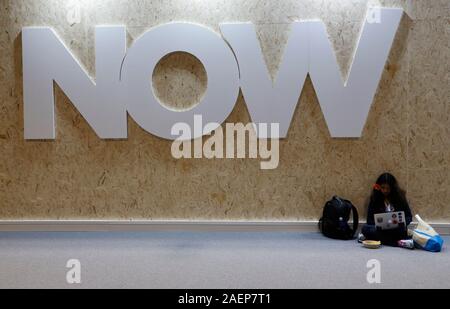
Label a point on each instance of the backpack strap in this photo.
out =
(355, 217)
(355, 220)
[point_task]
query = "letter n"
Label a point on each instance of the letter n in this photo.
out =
(47, 60)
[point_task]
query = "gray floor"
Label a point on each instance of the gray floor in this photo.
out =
(211, 260)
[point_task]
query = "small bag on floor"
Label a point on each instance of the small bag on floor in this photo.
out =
(426, 237)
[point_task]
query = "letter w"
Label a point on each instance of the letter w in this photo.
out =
(345, 105)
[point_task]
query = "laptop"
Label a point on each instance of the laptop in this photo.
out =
(390, 220)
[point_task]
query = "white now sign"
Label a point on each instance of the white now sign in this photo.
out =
(232, 62)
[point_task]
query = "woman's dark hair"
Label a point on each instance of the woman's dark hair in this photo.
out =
(397, 196)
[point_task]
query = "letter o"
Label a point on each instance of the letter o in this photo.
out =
(212, 51)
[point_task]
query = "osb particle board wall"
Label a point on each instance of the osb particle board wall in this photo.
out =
(80, 176)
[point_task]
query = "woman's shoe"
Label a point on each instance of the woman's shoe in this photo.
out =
(361, 238)
(406, 243)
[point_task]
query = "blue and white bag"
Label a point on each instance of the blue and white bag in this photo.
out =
(426, 238)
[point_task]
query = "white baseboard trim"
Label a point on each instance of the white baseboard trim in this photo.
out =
(156, 226)
(167, 226)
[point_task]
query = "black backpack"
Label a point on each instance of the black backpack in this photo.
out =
(334, 222)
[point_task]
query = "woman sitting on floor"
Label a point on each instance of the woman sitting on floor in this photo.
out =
(387, 197)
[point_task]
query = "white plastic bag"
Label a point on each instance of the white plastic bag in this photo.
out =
(426, 237)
